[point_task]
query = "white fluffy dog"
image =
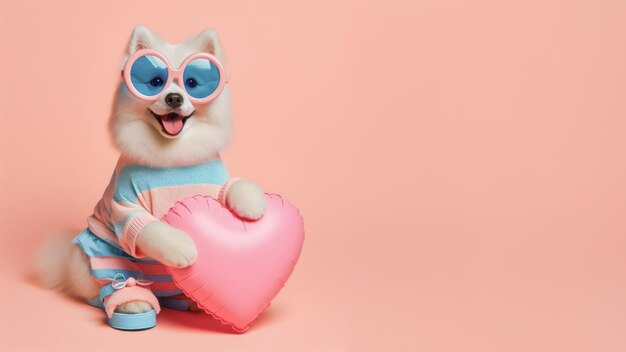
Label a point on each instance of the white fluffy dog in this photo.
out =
(138, 134)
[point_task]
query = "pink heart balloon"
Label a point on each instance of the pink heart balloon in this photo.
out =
(242, 265)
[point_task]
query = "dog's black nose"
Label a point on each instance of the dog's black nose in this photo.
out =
(174, 100)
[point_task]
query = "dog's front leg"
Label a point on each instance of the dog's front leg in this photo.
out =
(166, 244)
(246, 199)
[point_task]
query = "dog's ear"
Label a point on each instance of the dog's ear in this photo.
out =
(208, 42)
(141, 38)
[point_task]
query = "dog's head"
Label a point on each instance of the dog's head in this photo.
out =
(170, 131)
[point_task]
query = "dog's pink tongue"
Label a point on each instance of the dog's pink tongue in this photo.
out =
(172, 123)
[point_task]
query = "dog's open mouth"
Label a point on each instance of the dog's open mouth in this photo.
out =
(172, 123)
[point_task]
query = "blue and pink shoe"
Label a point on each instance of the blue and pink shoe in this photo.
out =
(120, 291)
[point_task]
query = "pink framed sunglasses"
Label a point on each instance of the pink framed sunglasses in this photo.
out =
(148, 72)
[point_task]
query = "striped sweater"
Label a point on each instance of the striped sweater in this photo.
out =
(136, 196)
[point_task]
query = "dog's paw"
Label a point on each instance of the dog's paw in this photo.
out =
(246, 199)
(168, 245)
(179, 256)
(178, 250)
(134, 307)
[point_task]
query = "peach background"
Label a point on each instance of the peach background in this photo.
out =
(460, 165)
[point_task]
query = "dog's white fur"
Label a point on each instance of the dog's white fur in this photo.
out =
(139, 137)
(207, 132)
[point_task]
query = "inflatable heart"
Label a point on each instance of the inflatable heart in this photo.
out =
(241, 264)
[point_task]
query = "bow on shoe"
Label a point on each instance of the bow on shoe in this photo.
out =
(120, 281)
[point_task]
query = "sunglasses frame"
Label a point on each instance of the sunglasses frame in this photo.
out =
(173, 74)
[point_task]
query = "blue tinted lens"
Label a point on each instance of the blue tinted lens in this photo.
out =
(201, 78)
(149, 75)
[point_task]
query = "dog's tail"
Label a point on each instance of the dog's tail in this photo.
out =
(50, 267)
(61, 265)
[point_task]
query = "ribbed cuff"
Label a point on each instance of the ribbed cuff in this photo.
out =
(221, 197)
(132, 231)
